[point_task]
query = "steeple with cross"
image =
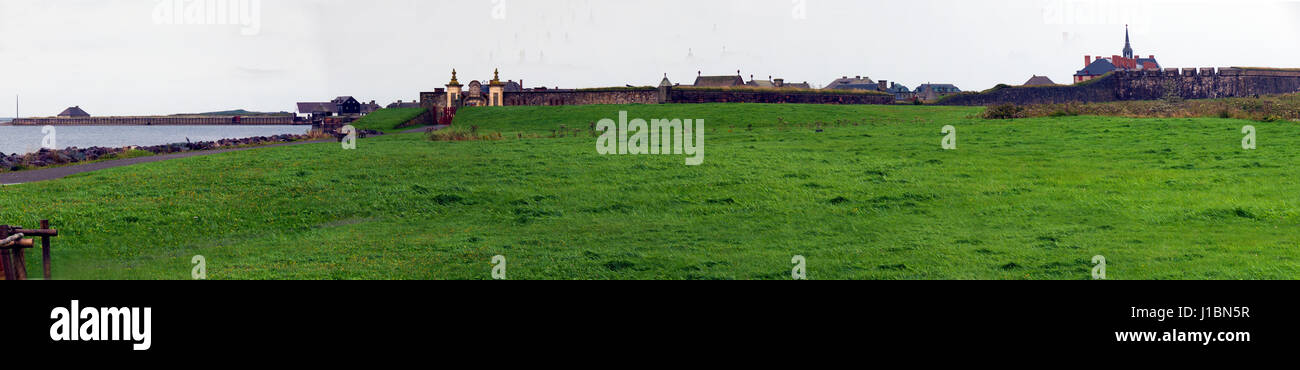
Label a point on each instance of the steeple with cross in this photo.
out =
(1128, 47)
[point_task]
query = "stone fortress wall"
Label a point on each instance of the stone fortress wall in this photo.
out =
(1187, 83)
(668, 95)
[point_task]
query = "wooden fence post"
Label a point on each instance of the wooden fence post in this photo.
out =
(45, 250)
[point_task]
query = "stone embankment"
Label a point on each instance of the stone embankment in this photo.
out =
(48, 157)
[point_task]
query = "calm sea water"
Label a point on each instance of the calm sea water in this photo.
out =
(27, 139)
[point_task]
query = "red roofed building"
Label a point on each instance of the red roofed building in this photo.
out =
(1127, 62)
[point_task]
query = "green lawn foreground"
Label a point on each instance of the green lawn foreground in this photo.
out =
(386, 120)
(872, 197)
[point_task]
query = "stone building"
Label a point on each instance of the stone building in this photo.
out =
(477, 94)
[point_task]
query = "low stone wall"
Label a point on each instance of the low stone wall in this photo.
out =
(687, 96)
(158, 121)
(583, 97)
(1206, 83)
(1099, 90)
(678, 95)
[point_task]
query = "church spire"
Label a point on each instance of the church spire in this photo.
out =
(1128, 47)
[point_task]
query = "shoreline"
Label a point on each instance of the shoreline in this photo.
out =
(152, 125)
(54, 172)
(51, 158)
(178, 120)
(57, 172)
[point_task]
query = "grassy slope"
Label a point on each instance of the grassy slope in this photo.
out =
(387, 119)
(510, 120)
(1264, 108)
(1036, 198)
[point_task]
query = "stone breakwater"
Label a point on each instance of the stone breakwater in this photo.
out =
(48, 157)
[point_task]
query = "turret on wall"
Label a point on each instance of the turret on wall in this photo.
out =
(665, 90)
(453, 91)
(496, 90)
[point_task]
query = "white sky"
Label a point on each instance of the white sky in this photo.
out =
(112, 57)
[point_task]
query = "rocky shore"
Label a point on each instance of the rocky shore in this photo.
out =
(48, 157)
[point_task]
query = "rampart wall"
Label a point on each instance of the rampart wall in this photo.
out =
(1186, 83)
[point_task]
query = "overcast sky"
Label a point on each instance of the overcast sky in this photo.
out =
(128, 57)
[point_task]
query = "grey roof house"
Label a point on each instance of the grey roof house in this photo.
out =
(778, 83)
(1098, 67)
(719, 81)
(73, 112)
(900, 91)
(931, 92)
(1037, 80)
(325, 108)
(855, 83)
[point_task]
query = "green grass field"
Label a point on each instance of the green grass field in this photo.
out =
(387, 120)
(873, 196)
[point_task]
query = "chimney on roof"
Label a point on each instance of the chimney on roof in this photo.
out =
(1087, 61)
(1152, 56)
